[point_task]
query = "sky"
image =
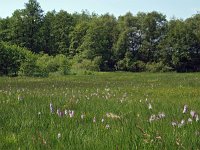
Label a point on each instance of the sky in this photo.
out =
(171, 8)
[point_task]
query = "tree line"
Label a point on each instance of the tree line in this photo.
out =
(142, 42)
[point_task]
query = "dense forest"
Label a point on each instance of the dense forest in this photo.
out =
(35, 43)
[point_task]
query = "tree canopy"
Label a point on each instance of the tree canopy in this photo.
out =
(141, 42)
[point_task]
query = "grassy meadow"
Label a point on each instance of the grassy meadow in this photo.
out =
(105, 111)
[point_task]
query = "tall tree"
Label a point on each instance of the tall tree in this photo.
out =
(26, 26)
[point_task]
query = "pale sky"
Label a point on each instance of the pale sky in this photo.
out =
(178, 8)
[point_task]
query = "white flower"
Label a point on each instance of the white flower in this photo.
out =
(66, 112)
(94, 119)
(192, 113)
(58, 112)
(185, 109)
(102, 120)
(82, 116)
(107, 126)
(59, 135)
(161, 115)
(150, 106)
(197, 117)
(189, 120)
(182, 121)
(71, 113)
(181, 124)
(152, 118)
(174, 124)
(39, 113)
(51, 107)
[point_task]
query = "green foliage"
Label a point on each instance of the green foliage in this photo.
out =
(11, 57)
(157, 67)
(120, 42)
(43, 64)
(86, 64)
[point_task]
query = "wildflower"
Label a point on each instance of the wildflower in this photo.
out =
(150, 106)
(152, 118)
(161, 115)
(181, 124)
(197, 117)
(107, 126)
(189, 120)
(102, 120)
(185, 109)
(71, 113)
(192, 113)
(59, 113)
(94, 120)
(183, 121)
(66, 112)
(51, 107)
(174, 124)
(82, 116)
(59, 135)
(39, 113)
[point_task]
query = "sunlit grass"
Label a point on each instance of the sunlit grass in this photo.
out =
(121, 100)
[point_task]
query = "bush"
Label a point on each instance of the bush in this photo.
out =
(43, 64)
(138, 66)
(85, 65)
(11, 57)
(28, 66)
(157, 67)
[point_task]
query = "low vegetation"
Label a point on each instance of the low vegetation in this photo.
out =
(101, 111)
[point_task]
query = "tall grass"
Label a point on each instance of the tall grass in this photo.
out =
(120, 99)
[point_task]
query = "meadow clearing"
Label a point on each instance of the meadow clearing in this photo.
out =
(118, 111)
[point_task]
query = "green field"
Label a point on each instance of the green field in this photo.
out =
(111, 111)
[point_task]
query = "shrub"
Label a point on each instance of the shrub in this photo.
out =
(138, 66)
(41, 65)
(11, 57)
(157, 67)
